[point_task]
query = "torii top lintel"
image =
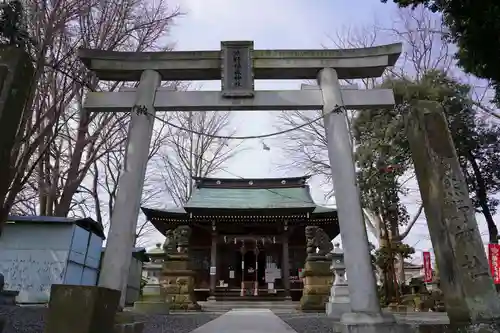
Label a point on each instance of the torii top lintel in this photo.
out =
(266, 64)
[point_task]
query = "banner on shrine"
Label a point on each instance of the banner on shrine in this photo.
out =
(494, 259)
(427, 267)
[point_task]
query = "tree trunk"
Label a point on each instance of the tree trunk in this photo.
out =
(4, 216)
(482, 198)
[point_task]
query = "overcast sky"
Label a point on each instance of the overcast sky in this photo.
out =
(277, 24)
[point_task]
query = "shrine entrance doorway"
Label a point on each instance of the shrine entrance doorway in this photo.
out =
(252, 264)
(251, 261)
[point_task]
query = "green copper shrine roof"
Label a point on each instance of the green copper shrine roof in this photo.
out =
(241, 194)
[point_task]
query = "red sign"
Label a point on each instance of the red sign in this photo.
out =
(494, 258)
(427, 267)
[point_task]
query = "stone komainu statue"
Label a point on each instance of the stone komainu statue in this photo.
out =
(182, 234)
(177, 240)
(317, 238)
(170, 245)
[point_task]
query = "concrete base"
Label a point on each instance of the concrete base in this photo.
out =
(151, 307)
(352, 322)
(336, 310)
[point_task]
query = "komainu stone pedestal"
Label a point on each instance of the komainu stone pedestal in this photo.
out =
(81, 309)
(177, 283)
(317, 284)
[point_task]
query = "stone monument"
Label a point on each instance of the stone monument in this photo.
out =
(317, 275)
(177, 277)
(465, 279)
(339, 302)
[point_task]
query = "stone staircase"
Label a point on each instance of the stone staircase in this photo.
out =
(234, 295)
(280, 306)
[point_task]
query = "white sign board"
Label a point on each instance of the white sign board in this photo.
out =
(212, 270)
(272, 274)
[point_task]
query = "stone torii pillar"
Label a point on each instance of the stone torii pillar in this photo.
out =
(121, 236)
(365, 303)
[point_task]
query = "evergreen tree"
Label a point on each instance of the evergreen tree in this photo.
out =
(383, 158)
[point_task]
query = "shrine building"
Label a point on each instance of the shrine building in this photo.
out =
(247, 235)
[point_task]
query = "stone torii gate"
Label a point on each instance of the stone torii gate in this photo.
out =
(237, 64)
(465, 277)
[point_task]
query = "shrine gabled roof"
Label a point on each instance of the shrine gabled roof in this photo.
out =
(181, 214)
(245, 194)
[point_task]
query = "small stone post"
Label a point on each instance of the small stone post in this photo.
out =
(469, 293)
(81, 309)
(339, 301)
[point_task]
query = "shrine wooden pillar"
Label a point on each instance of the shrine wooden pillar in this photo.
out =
(256, 283)
(243, 251)
(213, 262)
(285, 266)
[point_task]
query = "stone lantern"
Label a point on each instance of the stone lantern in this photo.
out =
(339, 301)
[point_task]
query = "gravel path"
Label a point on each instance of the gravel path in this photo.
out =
(308, 322)
(176, 322)
(31, 320)
(23, 319)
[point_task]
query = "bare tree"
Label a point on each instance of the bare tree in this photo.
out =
(192, 150)
(59, 141)
(421, 33)
(47, 24)
(306, 148)
(99, 197)
(176, 153)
